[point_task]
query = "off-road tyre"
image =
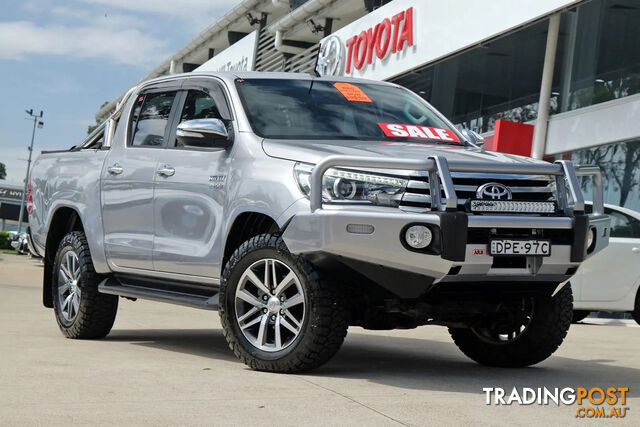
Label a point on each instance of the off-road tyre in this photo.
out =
(326, 317)
(636, 311)
(579, 315)
(96, 312)
(549, 325)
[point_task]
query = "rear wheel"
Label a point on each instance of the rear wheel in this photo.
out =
(81, 311)
(277, 312)
(523, 333)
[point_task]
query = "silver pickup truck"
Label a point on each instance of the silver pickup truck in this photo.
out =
(299, 206)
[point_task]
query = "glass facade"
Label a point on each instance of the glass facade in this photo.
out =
(597, 59)
(498, 80)
(620, 165)
(604, 54)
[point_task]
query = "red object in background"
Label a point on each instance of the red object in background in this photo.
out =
(511, 137)
(29, 196)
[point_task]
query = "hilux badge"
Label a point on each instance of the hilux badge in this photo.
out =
(217, 181)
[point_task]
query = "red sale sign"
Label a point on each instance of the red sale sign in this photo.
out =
(399, 130)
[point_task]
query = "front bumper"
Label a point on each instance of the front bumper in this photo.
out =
(459, 256)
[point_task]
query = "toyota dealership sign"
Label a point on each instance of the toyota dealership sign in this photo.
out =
(405, 34)
(380, 42)
(387, 38)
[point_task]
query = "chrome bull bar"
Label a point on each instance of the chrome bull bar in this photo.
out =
(569, 197)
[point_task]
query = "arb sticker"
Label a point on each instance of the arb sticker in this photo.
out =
(478, 251)
(352, 92)
(398, 130)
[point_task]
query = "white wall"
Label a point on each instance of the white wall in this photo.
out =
(442, 27)
(606, 123)
(240, 56)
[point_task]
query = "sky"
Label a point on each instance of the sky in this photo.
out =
(68, 57)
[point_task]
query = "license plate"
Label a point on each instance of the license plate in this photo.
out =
(519, 247)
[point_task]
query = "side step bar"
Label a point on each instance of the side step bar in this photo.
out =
(114, 287)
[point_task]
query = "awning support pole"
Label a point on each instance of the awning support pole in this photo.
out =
(540, 130)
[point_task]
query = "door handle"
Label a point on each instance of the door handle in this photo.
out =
(166, 170)
(115, 169)
(635, 250)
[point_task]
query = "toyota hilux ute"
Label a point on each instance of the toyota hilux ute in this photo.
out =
(298, 206)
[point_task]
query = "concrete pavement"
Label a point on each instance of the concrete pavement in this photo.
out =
(167, 365)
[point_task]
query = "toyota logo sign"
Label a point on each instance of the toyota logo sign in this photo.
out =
(330, 57)
(390, 37)
(494, 191)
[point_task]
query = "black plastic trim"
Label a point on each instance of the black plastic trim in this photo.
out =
(114, 287)
(579, 243)
(453, 226)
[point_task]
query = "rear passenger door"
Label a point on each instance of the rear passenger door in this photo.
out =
(190, 190)
(128, 175)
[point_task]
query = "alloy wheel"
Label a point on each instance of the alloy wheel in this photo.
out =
(68, 289)
(270, 305)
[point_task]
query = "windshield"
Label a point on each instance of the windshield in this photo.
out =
(315, 109)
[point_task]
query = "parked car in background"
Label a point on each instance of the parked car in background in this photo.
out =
(594, 286)
(19, 243)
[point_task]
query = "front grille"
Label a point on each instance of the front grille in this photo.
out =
(417, 197)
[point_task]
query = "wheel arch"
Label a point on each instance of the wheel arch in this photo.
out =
(64, 220)
(246, 225)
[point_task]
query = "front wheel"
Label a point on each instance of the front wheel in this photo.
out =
(523, 333)
(277, 312)
(636, 311)
(579, 315)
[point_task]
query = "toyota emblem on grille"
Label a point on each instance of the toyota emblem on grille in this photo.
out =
(494, 191)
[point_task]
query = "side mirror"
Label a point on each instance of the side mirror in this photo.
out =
(473, 137)
(203, 133)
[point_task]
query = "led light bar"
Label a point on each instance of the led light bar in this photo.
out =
(512, 206)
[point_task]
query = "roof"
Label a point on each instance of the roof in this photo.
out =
(232, 75)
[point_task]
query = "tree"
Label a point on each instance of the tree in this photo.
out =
(3, 171)
(91, 128)
(619, 165)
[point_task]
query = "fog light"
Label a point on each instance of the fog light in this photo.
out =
(418, 236)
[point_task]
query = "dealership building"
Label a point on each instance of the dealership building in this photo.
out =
(547, 78)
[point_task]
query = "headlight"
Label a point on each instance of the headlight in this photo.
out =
(344, 186)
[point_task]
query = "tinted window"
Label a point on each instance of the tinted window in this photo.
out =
(623, 225)
(151, 121)
(198, 105)
(306, 109)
